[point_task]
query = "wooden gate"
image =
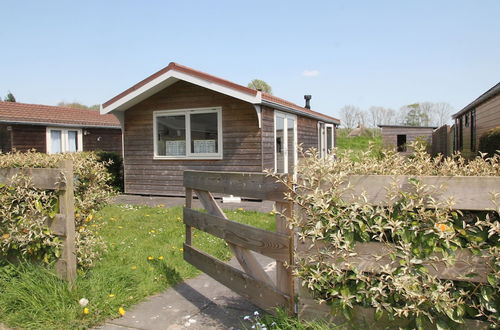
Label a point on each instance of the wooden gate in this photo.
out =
(253, 282)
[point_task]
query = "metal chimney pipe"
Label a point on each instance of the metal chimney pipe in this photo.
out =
(308, 99)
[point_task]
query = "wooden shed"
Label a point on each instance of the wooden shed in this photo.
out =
(53, 129)
(475, 119)
(399, 136)
(180, 118)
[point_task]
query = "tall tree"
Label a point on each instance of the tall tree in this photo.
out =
(9, 97)
(258, 84)
(442, 113)
(416, 114)
(350, 116)
(77, 105)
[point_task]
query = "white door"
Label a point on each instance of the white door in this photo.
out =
(326, 138)
(285, 142)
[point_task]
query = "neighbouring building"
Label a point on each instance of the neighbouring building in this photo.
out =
(180, 118)
(53, 129)
(475, 119)
(399, 136)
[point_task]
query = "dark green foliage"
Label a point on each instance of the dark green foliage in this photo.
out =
(9, 97)
(114, 165)
(489, 142)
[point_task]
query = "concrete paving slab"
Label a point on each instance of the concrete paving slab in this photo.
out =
(198, 303)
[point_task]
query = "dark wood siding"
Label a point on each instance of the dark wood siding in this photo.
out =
(487, 117)
(241, 140)
(26, 137)
(5, 138)
(307, 134)
(107, 139)
(267, 138)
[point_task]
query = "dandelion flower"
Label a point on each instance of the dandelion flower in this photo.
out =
(5, 236)
(441, 226)
(133, 267)
(111, 295)
(83, 302)
(86, 311)
(121, 311)
(241, 209)
(150, 258)
(160, 258)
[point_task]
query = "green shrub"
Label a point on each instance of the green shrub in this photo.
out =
(489, 142)
(24, 210)
(409, 229)
(114, 165)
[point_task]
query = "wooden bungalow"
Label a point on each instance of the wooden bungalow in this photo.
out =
(475, 119)
(180, 118)
(54, 129)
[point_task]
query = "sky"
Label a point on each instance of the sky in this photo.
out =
(362, 53)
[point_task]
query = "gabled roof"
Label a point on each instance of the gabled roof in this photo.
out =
(492, 92)
(37, 114)
(175, 72)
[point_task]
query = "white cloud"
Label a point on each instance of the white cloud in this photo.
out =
(310, 73)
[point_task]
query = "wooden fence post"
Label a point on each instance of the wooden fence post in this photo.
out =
(66, 265)
(284, 277)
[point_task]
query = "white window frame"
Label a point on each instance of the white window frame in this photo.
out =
(322, 137)
(285, 116)
(64, 138)
(187, 113)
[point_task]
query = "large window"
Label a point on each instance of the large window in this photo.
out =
(63, 140)
(188, 134)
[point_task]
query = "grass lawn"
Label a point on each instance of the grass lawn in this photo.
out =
(33, 298)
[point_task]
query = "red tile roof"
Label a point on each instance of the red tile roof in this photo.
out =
(16, 112)
(220, 81)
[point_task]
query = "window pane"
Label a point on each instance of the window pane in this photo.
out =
(72, 141)
(280, 144)
(290, 127)
(204, 133)
(171, 135)
(55, 142)
(329, 138)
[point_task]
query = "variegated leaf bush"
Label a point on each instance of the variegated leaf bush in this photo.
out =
(24, 210)
(417, 231)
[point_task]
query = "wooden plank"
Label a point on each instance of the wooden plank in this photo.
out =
(260, 293)
(42, 178)
(469, 193)
(189, 201)
(66, 265)
(273, 245)
(372, 256)
(253, 185)
(245, 257)
(284, 277)
(58, 225)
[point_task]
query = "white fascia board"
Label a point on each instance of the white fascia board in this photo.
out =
(167, 79)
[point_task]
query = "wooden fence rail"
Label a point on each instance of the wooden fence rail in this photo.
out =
(467, 193)
(63, 224)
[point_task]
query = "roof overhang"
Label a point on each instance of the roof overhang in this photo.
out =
(41, 123)
(492, 92)
(168, 78)
(298, 112)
